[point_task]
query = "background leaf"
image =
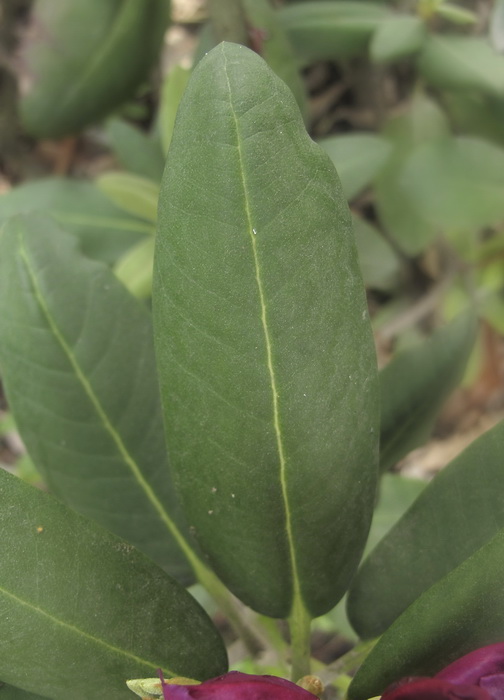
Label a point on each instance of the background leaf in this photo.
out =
(416, 383)
(82, 610)
(460, 511)
(463, 611)
(104, 231)
(136, 151)
(462, 63)
(134, 194)
(263, 342)
(87, 58)
(77, 364)
(397, 37)
(357, 158)
(323, 29)
(378, 261)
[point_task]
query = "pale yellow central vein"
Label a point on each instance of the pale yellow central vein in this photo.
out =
(109, 428)
(297, 601)
(76, 630)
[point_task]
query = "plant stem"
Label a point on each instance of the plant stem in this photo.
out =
(300, 628)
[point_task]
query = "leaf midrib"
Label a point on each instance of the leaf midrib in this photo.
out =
(100, 411)
(297, 602)
(76, 630)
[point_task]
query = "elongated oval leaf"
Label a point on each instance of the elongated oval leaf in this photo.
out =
(263, 342)
(86, 57)
(104, 231)
(82, 610)
(136, 151)
(397, 37)
(457, 513)
(77, 362)
(415, 384)
(324, 29)
(463, 611)
(132, 193)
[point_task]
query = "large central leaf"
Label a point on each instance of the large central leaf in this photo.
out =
(264, 347)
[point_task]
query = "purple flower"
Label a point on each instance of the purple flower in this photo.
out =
(476, 676)
(238, 686)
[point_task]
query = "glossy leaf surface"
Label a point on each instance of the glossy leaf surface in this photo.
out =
(463, 611)
(77, 363)
(460, 511)
(104, 231)
(85, 58)
(264, 348)
(323, 29)
(358, 158)
(415, 384)
(82, 610)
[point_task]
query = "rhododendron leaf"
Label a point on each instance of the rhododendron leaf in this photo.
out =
(458, 512)
(463, 611)
(77, 362)
(82, 609)
(264, 349)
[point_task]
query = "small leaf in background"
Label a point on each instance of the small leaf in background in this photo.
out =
(131, 193)
(410, 228)
(397, 37)
(323, 29)
(135, 150)
(459, 511)
(104, 231)
(171, 93)
(497, 26)
(263, 342)
(460, 613)
(85, 58)
(77, 363)
(82, 610)
(462, 63)
(272, 43)
(416, 383)
(134, 269)
(476, 114)
(457, 182)
(378, 261)
(358, 158)
(454, 13)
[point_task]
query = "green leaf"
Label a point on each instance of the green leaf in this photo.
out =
(410, 227)
(324, 29)
(134, 194)
(171, 94)
(462, 63)
(396, 38)
(416, 383)
(263, 342)
(134, 269)
(378, 261)
(457, 183)
(136, 151)
(104, 231)
(274, 46)
(10, 692)
(85, 59)
(82, 610)
(463, 611)
(460, 511)
(77, 364)
(358, 158)
(476, 114)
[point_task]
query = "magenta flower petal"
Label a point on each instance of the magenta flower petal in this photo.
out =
(483, 667)
(433, 689)
(240, 686)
